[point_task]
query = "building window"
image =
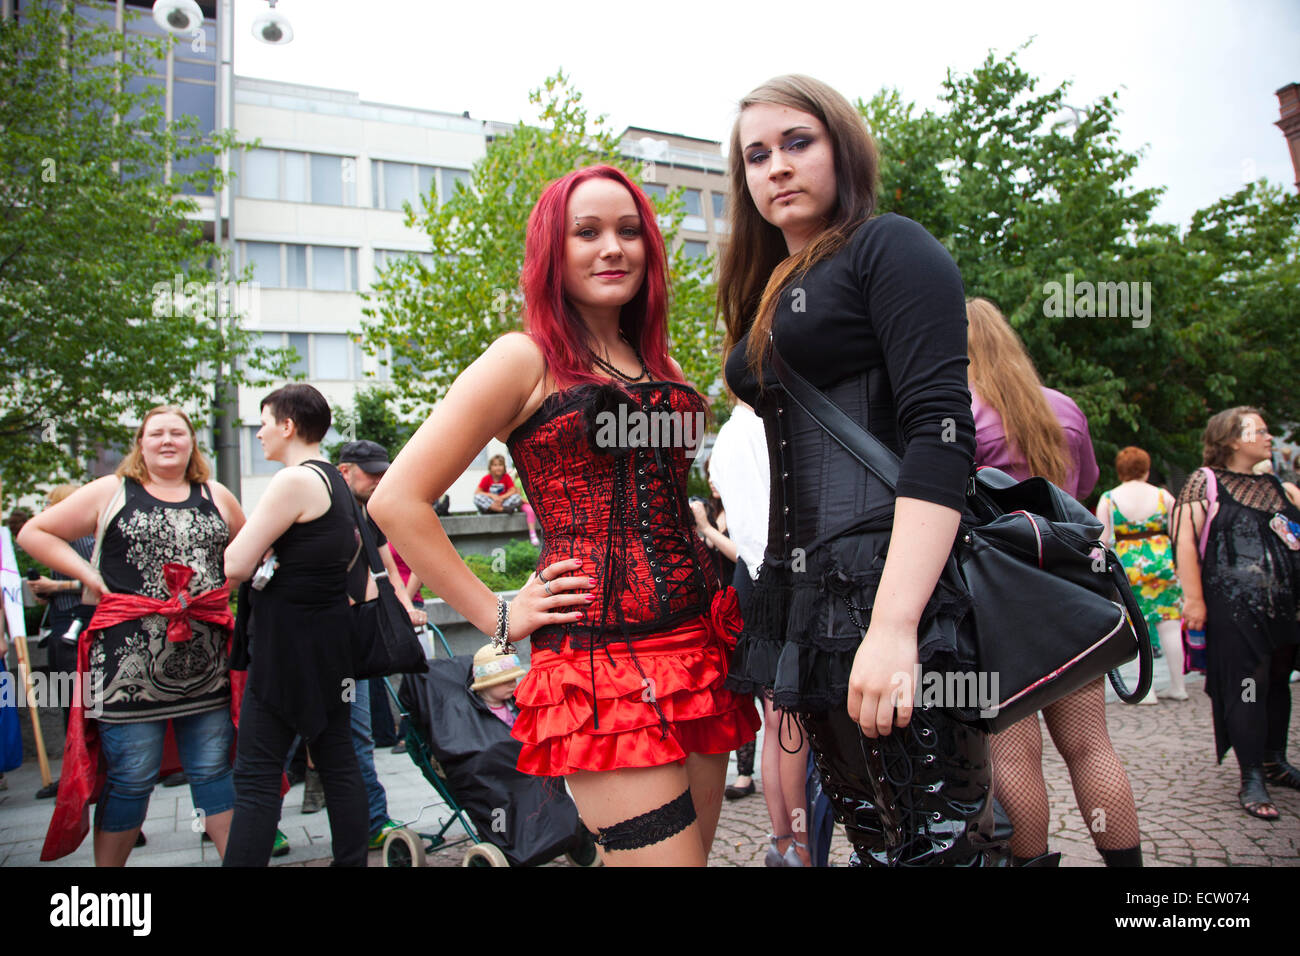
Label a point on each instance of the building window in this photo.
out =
(331, 360)
(695, 249)
(693, 202)
(656, 191)
(386, 257)
(396, 183)
(291, 176)
(292, 266)
(264, 257)
(719, 206)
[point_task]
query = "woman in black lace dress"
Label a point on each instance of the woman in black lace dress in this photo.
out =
(1237, 545)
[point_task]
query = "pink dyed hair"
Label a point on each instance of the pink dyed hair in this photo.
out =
(551, 319)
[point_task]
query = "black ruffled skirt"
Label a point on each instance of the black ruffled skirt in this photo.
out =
(807, 614)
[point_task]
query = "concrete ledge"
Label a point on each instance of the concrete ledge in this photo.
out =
(480, 534)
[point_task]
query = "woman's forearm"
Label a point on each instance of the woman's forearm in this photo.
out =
(1188, 565)
(725, 546)
(55, 553)
(417, 534)
(919, 546)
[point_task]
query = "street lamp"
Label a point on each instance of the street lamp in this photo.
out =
(273, 28)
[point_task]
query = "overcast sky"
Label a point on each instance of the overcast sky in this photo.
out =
(1196, 78)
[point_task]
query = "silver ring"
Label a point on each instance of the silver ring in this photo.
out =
(547, 585)
(542, 577)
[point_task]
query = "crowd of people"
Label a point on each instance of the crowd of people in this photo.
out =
(657, 621)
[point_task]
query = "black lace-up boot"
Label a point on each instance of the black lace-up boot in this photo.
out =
(920, 797)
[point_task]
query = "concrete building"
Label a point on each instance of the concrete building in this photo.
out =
(315, 209)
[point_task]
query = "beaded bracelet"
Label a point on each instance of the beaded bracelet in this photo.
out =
(501, 640)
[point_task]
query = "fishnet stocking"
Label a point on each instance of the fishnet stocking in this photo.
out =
(1077, 724)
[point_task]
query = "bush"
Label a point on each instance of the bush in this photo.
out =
(506, 569)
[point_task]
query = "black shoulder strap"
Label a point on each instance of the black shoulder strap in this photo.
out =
(329, 485)
(857, 441)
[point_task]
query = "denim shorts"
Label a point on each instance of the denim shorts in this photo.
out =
(133, 754)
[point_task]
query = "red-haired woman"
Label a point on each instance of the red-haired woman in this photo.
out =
(1135, 518)
(629, 646)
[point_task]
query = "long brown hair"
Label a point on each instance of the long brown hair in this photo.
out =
(1221, 431)
(132, 466)
(756, 264)
(1003, 375)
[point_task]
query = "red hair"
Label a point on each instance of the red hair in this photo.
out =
(551, 319)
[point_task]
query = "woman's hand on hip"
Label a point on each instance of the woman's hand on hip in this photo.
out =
(558, 594)
(882, 681)
(1194, 614)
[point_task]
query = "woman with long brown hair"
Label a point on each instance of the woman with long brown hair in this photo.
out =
(1026, 429)
(870, 310)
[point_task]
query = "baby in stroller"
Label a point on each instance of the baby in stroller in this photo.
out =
(463, 707)
(495, 678)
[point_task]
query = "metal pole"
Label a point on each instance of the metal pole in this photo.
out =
(226, 409)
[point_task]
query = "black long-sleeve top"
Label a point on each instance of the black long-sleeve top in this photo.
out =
(891, 297)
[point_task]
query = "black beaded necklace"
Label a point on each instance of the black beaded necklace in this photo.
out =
(614, 371)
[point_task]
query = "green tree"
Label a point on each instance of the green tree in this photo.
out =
(371, 418)
(1025, 191)
(439, 317)
(107, 288)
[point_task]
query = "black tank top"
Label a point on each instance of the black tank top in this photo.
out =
(301, 623)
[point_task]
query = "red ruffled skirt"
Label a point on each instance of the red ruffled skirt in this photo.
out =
(671, 705)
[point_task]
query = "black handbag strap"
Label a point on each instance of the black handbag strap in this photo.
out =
(377, 569)
(857, 441)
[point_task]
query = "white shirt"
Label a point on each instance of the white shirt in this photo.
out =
(738, 469)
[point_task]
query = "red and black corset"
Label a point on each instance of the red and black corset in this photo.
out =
(614, 495)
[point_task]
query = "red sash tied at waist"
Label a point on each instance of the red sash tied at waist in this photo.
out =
(212, 607)
(82, 778)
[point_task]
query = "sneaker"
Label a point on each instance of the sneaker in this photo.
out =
(281, 845)
(377, 841)
(399, 747)
(1149, 700)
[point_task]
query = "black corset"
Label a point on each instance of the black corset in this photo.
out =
(819, 490)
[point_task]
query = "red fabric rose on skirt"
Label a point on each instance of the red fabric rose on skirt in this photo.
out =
(725, 619)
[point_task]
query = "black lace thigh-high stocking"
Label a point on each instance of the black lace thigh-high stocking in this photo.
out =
(1077, 724)
(1019, 787)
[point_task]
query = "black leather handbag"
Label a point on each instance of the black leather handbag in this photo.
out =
(384, 641)
(1052, 606)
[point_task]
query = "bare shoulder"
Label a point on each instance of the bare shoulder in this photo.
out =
(520, 352)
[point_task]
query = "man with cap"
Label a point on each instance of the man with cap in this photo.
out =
(362, 464)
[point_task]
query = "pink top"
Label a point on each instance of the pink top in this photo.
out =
(992, 447)
(402, 567)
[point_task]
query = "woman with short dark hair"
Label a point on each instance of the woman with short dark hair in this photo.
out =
(300, 679)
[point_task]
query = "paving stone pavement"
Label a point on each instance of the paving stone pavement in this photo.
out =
(1187, 805)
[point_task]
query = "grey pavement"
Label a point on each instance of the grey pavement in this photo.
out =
(1187, 805)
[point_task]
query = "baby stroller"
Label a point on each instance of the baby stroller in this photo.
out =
(469, 758)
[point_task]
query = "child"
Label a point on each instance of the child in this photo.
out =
(495, 678)
(496, 492)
